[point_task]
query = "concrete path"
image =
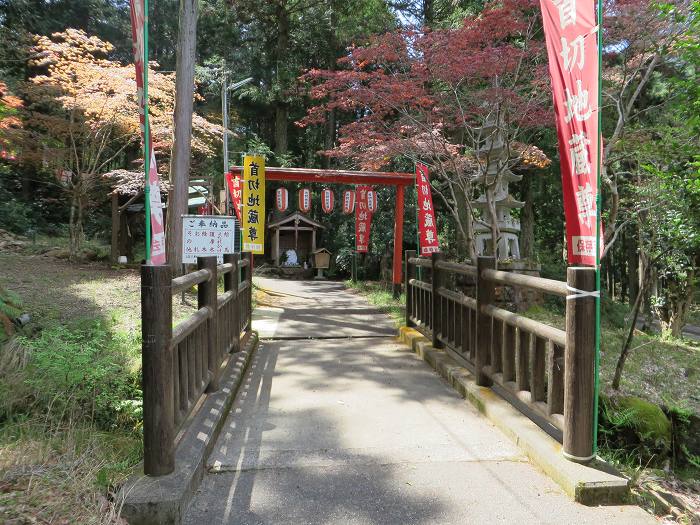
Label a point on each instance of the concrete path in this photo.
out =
(357, 431)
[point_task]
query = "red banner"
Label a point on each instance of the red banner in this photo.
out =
(348, 201)
(157, 226)
(570, 31)
(363, 219)
(234, 190)
(427, 228)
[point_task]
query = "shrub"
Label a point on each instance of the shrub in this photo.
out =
(83, 372)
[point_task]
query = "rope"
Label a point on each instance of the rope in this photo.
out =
(578, 294)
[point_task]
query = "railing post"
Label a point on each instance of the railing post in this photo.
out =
(231, 281)
(409, 273)
(485, 293)
(579, 358)
(157, 370)
(353, 267)
(206, 298)
(437, 282)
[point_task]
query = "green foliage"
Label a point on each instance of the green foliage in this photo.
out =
(637, 426)
(84, 371)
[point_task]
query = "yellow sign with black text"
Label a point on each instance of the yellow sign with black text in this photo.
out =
(253, 204)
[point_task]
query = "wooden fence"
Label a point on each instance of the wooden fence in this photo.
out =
(545, 372)
(182, 363)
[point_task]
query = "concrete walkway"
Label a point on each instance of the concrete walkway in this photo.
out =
(351, 429)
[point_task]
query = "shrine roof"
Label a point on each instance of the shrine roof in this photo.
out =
(279, 219)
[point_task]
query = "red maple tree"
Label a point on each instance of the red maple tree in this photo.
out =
(426, 95)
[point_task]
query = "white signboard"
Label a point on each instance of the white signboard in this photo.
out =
(206, 235)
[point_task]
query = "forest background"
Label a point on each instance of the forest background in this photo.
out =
(361, 84)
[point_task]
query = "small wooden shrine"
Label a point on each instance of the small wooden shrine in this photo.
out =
(294, 231)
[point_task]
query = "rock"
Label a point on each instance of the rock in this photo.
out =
(649, 422)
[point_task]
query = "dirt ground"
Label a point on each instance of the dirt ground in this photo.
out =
(56, 290)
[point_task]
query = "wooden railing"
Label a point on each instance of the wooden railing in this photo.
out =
(545, 372)
(183, 363)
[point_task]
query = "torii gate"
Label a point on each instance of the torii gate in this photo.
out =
(400, 180)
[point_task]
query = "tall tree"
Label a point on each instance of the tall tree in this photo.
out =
(182, 131)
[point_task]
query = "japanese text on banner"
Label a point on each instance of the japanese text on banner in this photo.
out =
(253, 208)
(234, 189)
(427, 226)
(571, 31)
(363, 219)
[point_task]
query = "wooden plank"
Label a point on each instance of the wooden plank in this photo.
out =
(522, 360)
(185, 282)
(508, 356)
(555, 378)
(539, 369)
(527, 281)
(497, 347)
(529, 325)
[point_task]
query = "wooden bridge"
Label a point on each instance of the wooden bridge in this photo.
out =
(330, 420)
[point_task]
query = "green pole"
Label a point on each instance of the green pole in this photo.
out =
(596, 388)
(146, 135)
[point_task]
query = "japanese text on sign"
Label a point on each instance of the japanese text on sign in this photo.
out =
(570, 31)
(253, 205)
(427, 228)
(206, 235)
(363, 219)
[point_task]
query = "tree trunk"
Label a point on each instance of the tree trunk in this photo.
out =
(182, 131)
(114, 253)
(527, 221)
(632, 267)
(281, 51)
(75, 223)
(672, 311)
(624, 352)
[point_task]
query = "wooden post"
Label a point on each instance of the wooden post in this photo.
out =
(157, 370)
(206, 298)
(249, 289)
(437, 282)
(231, 281)
(353, 267)
(485, 293)
(398, 243)
(579, 360)
(410, 273)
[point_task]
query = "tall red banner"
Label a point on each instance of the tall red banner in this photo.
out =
(234, 190)
(363, 219)
(570, 31)
(427, 227)
(157, 226)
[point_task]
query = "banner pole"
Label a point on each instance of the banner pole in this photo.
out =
(596, 387)
(146, 136)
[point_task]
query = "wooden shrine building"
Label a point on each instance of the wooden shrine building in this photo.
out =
(294, 231)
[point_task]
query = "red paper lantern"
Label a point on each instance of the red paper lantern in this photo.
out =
(372, 201)
(327, 200)
(282, 199)
(348, 201)
(305, 200)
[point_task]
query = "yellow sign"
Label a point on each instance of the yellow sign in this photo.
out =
(253, 204)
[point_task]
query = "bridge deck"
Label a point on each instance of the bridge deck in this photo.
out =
(356, 431)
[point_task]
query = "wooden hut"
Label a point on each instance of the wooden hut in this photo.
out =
(295, 232)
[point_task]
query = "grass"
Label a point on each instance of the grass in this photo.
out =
(380, 295)
(70, 400)
(663, 371)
